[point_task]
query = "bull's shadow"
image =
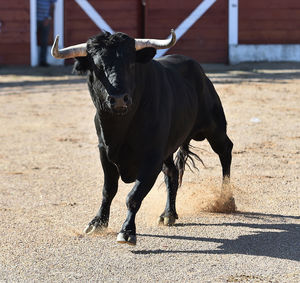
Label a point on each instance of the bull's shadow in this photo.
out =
(273, 240)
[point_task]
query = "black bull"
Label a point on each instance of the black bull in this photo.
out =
(145, 110)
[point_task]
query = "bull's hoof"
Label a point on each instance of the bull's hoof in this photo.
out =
(160, 220)
(124, 238)
(91, 229)
(95, 227)
(167, 220)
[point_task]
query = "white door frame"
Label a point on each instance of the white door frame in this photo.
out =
(58, 28)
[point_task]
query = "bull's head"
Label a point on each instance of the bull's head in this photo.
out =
(111, 62)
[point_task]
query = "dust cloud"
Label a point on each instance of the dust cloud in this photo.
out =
(192, 199)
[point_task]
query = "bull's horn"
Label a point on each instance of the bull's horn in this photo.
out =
(141, 43)
(73, 51)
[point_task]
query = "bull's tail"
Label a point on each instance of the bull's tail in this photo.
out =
(184, 155)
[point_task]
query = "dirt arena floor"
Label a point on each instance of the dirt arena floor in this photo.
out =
(51, 179)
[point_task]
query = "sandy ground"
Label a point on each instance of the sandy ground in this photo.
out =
(50, 187)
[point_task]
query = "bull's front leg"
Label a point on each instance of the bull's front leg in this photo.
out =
(110, 187)
(145, 181)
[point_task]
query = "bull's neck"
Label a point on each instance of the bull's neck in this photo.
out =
(114, 127)
(114, 130)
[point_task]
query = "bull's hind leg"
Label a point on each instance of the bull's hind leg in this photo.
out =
(169, 216)
(222, 145)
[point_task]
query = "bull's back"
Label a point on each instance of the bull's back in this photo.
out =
(210, 110)
(181, 97)
(187, 68)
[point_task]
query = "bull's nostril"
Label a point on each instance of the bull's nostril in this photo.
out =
(111, 100)
(126, 98)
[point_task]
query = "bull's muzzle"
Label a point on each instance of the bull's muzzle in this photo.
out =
(119, 103)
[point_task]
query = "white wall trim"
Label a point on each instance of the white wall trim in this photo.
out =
(189, 21)
(58, 28)
(94, 15)
(264, 52)
(233, 22)
(33, 35)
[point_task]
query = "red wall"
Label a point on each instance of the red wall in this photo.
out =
(205, 41)
(260, 22)
(15, 32)
(121, 15)
(269, 21)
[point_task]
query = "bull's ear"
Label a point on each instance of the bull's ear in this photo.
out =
(145, 55)
(81, 65)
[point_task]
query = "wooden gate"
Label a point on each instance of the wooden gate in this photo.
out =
(206, 40)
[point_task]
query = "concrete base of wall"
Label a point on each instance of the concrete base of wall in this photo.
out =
(264, 52)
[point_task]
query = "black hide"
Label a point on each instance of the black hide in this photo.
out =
(171, 102)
